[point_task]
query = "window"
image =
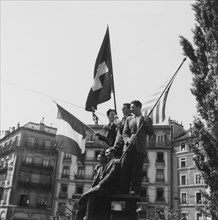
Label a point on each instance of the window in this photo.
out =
(183, 162)
(79, 189)
(42, 201)
(143, 193)
(198, 178)
(48, 144)
(160, 157)
(198, 198)
(67, 155)
(24, 199)
(29, 159)
(24, 176)
(31, 141)
(144, 176)
(160, 194)
(63, 187)
(182, 146)
(160, 139)
(81, 172)
(183, 198)
(66, 171)
(63, 191)
(45, 162)
(183, 180)
(160, 174)
(199, 216)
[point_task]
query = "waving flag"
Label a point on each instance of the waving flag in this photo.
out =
(103, 76)
(158, 114)
(70, 135)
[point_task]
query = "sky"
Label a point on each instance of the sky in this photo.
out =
(49, 48)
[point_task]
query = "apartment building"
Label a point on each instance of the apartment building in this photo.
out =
(73, 178)
(156, 184)
(187, 180)
(27, 169)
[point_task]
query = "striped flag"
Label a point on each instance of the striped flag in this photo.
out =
(158, 113)
(70, 134)
(102, 85)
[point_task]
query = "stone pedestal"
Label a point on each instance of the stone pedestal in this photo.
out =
(104, 211)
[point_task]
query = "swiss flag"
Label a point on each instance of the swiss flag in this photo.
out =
(102, 85)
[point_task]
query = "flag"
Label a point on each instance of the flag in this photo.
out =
(70, 134)
(102, 85)
(158, 114)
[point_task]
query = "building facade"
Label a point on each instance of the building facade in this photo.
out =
(188, 181)
(27, 170)
(73, 179)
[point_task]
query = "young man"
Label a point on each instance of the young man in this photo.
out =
(119, 143)
(134, 149)
(111, 129)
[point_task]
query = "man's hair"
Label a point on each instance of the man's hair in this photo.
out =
(127, 105)
(102, 153)
(137, 103)
(110, 110)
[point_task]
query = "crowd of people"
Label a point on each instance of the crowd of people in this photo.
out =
(119, 168)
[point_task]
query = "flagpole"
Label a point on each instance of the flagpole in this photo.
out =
(170, 82)
(112, 75)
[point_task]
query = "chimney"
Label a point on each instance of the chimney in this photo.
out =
(42, 125)
(18, 124)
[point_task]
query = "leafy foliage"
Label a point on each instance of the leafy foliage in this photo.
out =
(204, 67)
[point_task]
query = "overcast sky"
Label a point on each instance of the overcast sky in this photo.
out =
(49, 48)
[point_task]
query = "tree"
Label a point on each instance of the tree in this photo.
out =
(203, 55)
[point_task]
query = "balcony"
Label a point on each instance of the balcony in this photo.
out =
(27, 184)
(161, 199)
(37, 146)
(83, 177)
(67, 159)
(144, 199)
(37, 166)
(160, 179)
(160, 162)
(63, 195)
(65, 176)
(3, 169)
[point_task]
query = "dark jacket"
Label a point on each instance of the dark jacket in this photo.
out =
(110, 178)
(110, 136)
(98, 172)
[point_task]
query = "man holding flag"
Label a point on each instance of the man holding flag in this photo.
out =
(134, 149)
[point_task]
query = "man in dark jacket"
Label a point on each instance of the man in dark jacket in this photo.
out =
(110, 129)
(108, 185)
(134, 149)
(99, 168)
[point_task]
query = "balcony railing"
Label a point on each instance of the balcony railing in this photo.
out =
(83, 177)
(63, 195)
(66, 176)
(38, 166)
(161, 199)
(27, 184)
